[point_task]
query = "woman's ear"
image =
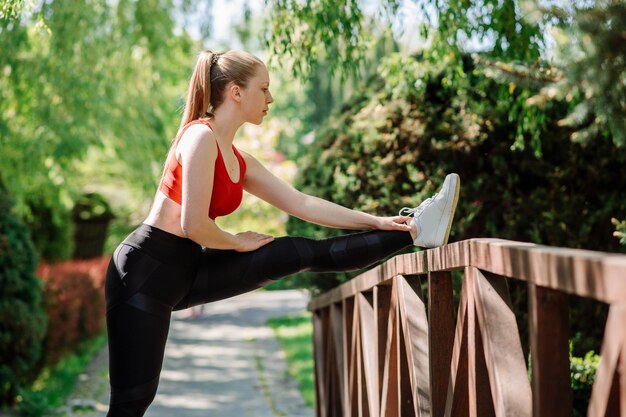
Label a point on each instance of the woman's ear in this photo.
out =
(235, 92)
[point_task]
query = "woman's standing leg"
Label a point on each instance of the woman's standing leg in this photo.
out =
(226, 273)
(140, 293)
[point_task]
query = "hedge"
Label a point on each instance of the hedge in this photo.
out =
(74, 303)
(22, 319)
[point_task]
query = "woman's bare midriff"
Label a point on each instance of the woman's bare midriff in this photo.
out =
(165, 215)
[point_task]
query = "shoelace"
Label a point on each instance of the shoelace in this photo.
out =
(415, 211)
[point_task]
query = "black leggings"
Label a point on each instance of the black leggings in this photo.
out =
(154, 272)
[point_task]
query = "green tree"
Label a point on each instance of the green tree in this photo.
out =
(83, 102)
(335, 31)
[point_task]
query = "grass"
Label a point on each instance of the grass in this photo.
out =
(54, 384)
(294, 334)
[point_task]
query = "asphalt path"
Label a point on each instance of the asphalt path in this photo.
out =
(222, 362)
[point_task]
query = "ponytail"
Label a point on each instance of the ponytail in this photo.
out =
(199, 94)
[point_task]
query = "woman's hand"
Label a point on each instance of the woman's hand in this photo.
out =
(249, 241)
(394, 223)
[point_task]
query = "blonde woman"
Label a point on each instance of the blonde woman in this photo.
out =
(179, 257)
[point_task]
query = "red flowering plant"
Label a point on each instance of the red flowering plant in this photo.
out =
(74, 301)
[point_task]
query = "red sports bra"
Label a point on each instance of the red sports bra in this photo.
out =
(226, 195)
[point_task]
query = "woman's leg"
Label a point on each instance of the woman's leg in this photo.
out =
(225, 273)
(140, 293)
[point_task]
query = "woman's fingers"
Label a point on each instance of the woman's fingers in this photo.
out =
(252, 240)
(396, 223)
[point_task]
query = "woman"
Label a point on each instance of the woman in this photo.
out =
(180, 258)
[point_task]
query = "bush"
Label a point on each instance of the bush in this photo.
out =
(583, 371)
(74, 302)
(22, 318)
(393, 143)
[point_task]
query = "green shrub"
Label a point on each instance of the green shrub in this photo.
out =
(32, 404)
(423, 117)
(583, 371)
(22, 319)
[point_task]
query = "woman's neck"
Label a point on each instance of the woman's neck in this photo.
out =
(225, 125)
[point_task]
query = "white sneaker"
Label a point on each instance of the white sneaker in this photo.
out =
(433, 218)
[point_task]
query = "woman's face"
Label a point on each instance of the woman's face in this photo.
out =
(256, 97)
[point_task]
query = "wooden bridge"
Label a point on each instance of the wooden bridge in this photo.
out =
(383, 349)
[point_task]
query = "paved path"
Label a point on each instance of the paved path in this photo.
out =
(223, 363)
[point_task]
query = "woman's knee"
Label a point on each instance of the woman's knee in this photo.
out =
(134, 401)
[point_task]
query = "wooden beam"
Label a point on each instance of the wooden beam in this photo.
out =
(337, 333)
(608, 396)
(585, 273)
(318, 353)
(370, 354)
(390, 406)
(440, 337)
(503, 350)
(414, 326)
(479, 387)
(548, 319)
(590, 274)
(457, 399)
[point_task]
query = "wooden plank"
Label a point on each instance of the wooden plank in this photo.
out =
(348, 354)
(457, 399)
(361, 395)
(448, 257)
(604, 400)
(484, 399)
(414, 326)
(504, 357)
(440, 337)
(411, 263)
(479, 388)
(334, 386)
(336, 324)
(354, 357)
(318, 352)
(596, 275)
(389, 402)
(548, 319)
(622, 373)
(369, 336)
(383, 312)
(590, 274)
(406, 397)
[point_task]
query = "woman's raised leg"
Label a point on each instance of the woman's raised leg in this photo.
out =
(226, 273)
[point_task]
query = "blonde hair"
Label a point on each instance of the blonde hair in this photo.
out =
(212, 74)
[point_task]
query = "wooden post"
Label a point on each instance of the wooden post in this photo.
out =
(548, 319)
(441, 337)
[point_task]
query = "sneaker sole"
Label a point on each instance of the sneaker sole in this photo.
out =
(453, 209)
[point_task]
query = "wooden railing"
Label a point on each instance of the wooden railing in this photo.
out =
(382, 348)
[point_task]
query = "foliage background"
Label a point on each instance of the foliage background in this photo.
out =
(524, 98)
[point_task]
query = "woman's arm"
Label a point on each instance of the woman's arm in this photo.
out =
(262, 183)
(198, 152)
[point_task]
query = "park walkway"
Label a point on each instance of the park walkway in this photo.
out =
(223, 363)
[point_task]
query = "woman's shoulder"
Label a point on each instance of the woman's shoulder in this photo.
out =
(196, 127)
(197, 138)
